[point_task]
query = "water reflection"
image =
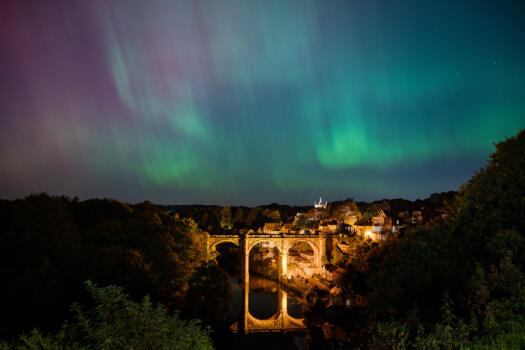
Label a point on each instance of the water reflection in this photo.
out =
(263, 305)
(237, 299)
(263, 299)
(269, 306)
(295, 308)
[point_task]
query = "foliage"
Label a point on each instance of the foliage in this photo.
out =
(476, 258)
(270, 215)
(347, 211)
(374, 208)
(449, 333)
(391, 335)
(252, 218)
(226, 218)
(304, 222)
(36, 340)
(338, 258)
(210, 296)
(492, 203)
(116, 322)
(238, 217)
(56, 243)
(509, 336)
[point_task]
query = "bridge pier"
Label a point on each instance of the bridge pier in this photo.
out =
(283, 271)
(246, 280)
(283, 305)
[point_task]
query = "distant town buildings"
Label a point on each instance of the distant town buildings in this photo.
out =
(347, 220)
(379, 227)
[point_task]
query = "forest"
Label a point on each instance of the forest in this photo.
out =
(81, 274)
(457, 285)
(50, 247)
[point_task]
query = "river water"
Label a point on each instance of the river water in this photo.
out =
(263, 303)
(263, 299)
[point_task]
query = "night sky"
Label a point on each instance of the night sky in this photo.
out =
(251, 102)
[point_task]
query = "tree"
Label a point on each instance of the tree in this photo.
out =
(303, 222)
(238, 216)
(56, 244)
(117, 322)
(347, 211)
(374, 208)
(476, 256)
(252, 219)
(271, 215)
(226, 217)
(492, 202)
(209, 296)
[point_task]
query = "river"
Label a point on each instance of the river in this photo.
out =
(263, 304)
(263, 299)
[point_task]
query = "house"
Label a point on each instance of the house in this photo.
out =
(364, 226)
(443, 213)
(417, 217)
(382, 219)
(329, 226)
(272, 228)
(405, 217)
(379, 227)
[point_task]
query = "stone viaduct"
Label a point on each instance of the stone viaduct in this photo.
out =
(281, 321)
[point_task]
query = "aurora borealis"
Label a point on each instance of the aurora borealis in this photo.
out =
(251, 102)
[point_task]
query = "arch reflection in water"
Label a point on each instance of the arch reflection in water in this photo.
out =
(268, 311)
(263, 301)
(270, 308)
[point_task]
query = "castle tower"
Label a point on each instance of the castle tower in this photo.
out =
(320, 204)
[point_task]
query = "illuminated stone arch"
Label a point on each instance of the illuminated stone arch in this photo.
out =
(214, 241)
(253, 242)
(312, 243)
(214, 244)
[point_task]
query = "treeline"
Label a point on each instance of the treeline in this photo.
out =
(456, 286)
(432, 206)
(216, 219)
(49, 246)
